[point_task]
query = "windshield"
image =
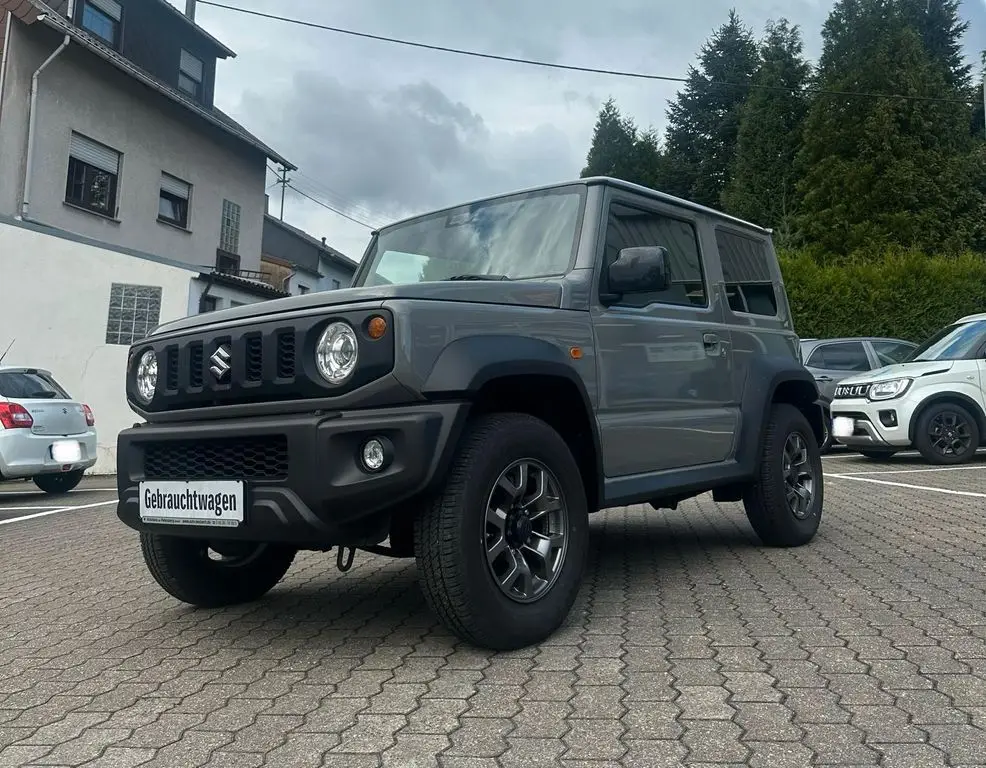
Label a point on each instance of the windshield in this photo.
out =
(521, 236)
(954, 342)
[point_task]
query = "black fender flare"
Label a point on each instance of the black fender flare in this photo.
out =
(767, 378)
(467, 364)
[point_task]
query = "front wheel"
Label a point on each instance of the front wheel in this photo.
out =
(502, 550)
(60, 483)
(947, 433)
(784, 505)
(214, 574)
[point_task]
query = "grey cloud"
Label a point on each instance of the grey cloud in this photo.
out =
(407, 148)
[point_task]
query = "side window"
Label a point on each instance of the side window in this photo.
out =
(746, 272)
(841, 356)
(890, 352)
(630, 227)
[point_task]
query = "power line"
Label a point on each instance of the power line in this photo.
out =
(336, 197)
(574, 67)
(331, 208)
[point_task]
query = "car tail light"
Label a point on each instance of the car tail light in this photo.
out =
(15, 416)
(90, 419)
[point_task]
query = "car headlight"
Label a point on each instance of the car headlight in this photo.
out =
(146, 379)
(887, 390)
(337, 352)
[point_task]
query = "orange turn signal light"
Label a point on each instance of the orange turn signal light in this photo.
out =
(576, 353)
(376, 328)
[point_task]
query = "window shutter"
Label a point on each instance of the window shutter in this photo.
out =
(95, 154)
(109, 7)
(174, 186)
(191, 66)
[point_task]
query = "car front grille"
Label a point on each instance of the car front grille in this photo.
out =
(242, 458)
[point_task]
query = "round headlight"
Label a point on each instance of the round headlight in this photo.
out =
(146, 380)
(337, 353)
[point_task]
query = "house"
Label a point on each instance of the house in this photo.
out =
(108, 130)
(297, 262)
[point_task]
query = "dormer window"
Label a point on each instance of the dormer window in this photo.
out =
(102, 19)
(190, 75)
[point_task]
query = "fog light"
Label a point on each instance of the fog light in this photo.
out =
(373, 455)
(888, 418)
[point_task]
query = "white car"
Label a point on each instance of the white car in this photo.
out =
(933, 401)
(45, 435)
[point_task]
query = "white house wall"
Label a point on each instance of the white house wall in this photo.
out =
(79, 92)
(55, 303)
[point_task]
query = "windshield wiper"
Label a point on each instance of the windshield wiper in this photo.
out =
(478, 277)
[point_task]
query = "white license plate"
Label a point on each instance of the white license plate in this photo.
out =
(843, 426)
(204, 502)
(66, 451)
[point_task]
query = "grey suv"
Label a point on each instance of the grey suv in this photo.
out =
(498, 371)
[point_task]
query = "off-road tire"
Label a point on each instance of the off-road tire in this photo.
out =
(181, 566)
(765, 500)
(449, 543)
(878, 455)
(62, 482)
(922, 440)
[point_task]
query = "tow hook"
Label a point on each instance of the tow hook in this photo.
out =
(345, 566)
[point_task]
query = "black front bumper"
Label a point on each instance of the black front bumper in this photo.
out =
(304, 481)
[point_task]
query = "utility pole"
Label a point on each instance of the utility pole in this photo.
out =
(283, 181)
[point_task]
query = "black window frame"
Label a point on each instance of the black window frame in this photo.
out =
(644, 300)
(88, 5)
(82, 175)
(223, 261)
(181, 203)
(821, 347)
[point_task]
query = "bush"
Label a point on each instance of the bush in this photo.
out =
(901, 294)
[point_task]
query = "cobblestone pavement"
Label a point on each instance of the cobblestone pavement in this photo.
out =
(690, 645)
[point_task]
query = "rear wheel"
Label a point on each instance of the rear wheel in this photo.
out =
(784, 506)
(947, 433)
(63, 482)
(502, 550)
(214, 574)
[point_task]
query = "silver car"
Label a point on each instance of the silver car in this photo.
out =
(45, 435)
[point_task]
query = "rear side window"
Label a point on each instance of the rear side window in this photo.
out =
(746, 272)
(841, 356)
(25, 385)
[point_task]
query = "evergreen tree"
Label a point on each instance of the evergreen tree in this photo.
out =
(703, 121)
(761, 184)
(881, 171)
(621, 151)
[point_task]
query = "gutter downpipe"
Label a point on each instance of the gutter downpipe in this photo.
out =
(32, 120)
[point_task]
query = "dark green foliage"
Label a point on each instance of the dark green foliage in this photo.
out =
(703, 123)
(885, 171)
(761, 188)
(621, 151)
(896, 293)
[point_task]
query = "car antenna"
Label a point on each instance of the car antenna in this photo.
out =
(7, 350)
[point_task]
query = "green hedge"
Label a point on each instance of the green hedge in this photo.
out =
(906, 295)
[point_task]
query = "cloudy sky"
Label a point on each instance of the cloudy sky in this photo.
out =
(381, 130)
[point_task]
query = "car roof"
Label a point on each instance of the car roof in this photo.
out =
(971, 318)
(626, 186)
(858, 338)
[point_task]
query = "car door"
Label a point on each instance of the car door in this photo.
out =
(663, 358)
(831, 362)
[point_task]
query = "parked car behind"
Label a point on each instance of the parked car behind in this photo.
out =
(45, 435)
(933, 401)
(832, 360)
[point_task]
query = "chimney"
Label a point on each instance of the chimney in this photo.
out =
(323, 241)
(190, 9)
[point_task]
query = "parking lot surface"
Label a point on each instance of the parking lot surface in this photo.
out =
(690, 645)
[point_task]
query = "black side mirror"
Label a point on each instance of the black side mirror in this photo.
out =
(639, 270)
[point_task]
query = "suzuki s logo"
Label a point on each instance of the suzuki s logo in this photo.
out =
(220, 362)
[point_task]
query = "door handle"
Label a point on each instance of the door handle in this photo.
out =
(710, 340)
(823, 378)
